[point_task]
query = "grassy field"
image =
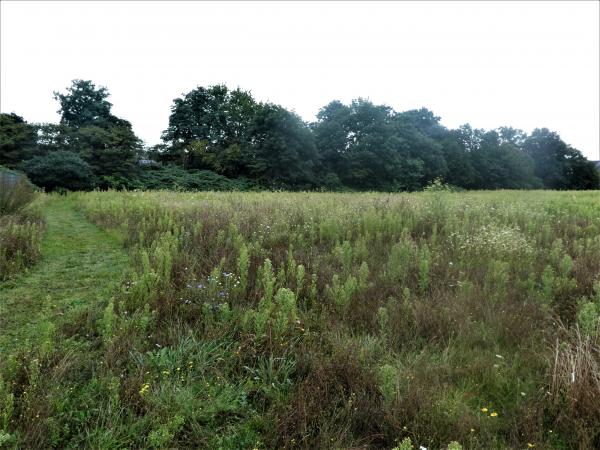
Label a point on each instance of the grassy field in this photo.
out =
(305, 320)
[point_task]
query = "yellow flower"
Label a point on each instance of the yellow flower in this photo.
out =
(494, 414)
(484, 410)
(530, 445)
(144, 389)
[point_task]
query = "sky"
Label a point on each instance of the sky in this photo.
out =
(521, 64)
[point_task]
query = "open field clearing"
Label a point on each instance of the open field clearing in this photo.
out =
(306, 320)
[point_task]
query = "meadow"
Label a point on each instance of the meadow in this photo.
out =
(310, 320)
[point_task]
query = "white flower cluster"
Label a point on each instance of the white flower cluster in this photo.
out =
(494, 239)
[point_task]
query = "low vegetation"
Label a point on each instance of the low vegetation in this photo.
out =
(306, 320)
(21, 224)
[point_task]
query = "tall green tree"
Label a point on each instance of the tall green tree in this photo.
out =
(557, 164)
(424, 135)
(582, 174)
(500, 164)
(370, 146)
(105, 142)
(280, 151)
(85, 104)
(208, 127)
(460, 171)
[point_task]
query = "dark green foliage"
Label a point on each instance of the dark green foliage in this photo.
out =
(110, 152)
(207, 127)
(371, 147)
(557, 164)
(17, 139)
(280, 151)
(97, 148)
(501, 165)
(173, 177)
(52, 137)
(582, 174)
(59, 170)
(107, 143)
(358, 146)
(84, 105)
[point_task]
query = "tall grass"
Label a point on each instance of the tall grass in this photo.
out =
(21, 225)
(276, 320)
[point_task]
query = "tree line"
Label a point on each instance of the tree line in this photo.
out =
(219, 138)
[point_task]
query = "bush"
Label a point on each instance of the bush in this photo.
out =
(176, 178)
(59, 170)
(438, 185)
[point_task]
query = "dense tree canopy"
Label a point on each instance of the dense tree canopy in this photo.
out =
(88, 129)
(17, 140)
(226, 139)
(208, 127)
(60, 169)
(84, 104)
(280, 150)
(557, 164)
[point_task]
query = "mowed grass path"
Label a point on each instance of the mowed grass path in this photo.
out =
(81, 264)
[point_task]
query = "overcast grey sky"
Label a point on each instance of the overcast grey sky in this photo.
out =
(524, 64)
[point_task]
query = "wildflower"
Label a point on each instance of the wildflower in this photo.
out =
(484, 410)
(472, 430)
(144, 389)
(494, 414)
(530, 445)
